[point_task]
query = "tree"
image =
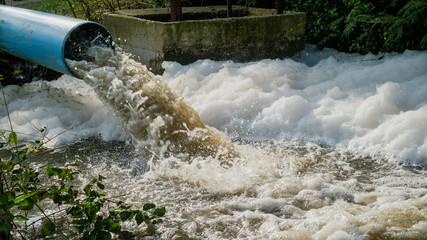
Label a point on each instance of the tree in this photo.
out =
(176, 10)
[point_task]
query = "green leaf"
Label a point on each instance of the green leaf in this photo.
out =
(157, 221)
(125, 215)
(160, 211)
(48, 228)
(103, 235)
(140, 218)
(13, 138)
(78, 228)
(24, 231)
(148, 206)
(9, 165)
(5, 228)
(26, 204)
(18, 200)
(94, 194)
(74, 211)
(124, 206)
(87, 189)
(100, 185)
(73, 164)
(9, 217)
(349, 28)
(93, 181)
(81, 222)
(132, 215)
(423, 43)
(21, 218)
(335, 23)
(115, 226)
(22, 203)
(3, 200)
(126, 235)
(50, 171)
(89, 210)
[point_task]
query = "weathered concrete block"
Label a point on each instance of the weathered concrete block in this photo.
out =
(205, 33)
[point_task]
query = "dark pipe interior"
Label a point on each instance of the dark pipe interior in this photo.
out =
(83, 37)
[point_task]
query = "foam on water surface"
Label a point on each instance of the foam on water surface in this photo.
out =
(278, 191)
(369, 105)
(67, 107)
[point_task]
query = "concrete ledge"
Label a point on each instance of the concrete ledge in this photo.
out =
(205, 34)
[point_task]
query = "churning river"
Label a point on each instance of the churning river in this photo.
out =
(327, 145)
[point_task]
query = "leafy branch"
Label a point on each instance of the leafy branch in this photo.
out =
(23, 188)
(365, 26)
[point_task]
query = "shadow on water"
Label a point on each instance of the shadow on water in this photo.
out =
(91, 152)
(341, 163)
(311, 158)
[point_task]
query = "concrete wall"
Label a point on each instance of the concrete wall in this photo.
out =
(258, 35)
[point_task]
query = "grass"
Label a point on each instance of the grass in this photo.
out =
(59, 7)
(85, 9)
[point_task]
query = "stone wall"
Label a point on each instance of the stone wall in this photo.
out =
(255, 34)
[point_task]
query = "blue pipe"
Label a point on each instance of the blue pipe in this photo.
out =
(47, 39)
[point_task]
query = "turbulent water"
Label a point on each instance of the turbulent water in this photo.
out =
(331, 145)
(155, 116)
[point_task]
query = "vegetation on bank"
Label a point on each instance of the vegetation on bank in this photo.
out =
(346, 25)
(365, 26)
(85, 9)
(360, 25)
(85, 212)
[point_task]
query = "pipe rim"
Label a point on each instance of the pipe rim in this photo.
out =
(85, 27)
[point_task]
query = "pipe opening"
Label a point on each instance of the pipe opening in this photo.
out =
(85, 36)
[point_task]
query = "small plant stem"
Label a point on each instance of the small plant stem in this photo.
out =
(72, 9)
(118, 4)
(51, 150)
(7, 109)
(3, 210)
(5, 183)
(66, 130)
(61, 210)
(19, 232)
(42, 211)
(36, 128)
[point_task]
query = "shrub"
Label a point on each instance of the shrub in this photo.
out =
(23, 188)
(365, 26)
(361, 25)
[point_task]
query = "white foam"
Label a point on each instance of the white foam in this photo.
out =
(67, 107)
(356, 101)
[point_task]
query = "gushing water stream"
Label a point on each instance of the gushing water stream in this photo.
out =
(155, 116)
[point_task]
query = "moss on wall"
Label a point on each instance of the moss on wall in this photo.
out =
(266, 35)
